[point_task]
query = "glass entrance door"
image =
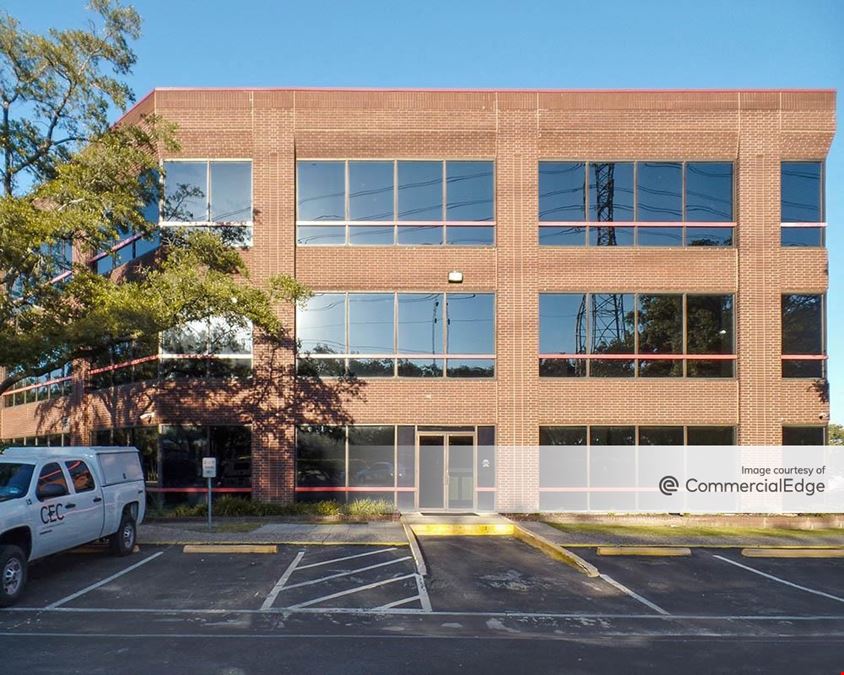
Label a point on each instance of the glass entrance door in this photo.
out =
(446, 471)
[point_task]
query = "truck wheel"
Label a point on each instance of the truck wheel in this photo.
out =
(12, 574)
(122, 542)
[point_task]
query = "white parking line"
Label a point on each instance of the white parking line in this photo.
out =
(390, 605)
(423, 593)
(92, 587)
(782, 581)
(268, 602)
(634, 595)
(348, 557)
(350, 591)
(346, 574)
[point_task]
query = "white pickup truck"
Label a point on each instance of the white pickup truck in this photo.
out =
(54, 499)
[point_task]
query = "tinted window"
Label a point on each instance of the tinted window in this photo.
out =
(611, 323)
(80, 476)
(801, 236)
(562, 191)
(659, 191)
(186, 187)
(710, 436)
(612, 435)
(372, 456)
(420, 329)
(562, 435)
(371, 191)
(471, 326)
(660, 324)
(182, 450)
(660, 435)
(610, 191)
(803, 435)
(371, 323)
(469, 190)
(562, 323)
(51, 482)
(231, 191)
(321, 324)
(709, 322)
(421, 191)
(802, 324)
(320, 456)
(321, 191)
(14, 479)
(709, 191)
(232, 447)
(801, 192)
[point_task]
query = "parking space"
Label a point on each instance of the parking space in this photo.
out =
(719, 582)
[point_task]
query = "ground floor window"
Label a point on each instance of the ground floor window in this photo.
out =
(172, 457)
(809, 435)
(44, 440)
(633, 435)
(349, 463)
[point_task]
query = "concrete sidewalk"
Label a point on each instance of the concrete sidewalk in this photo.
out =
(381, 533)
(633, 536)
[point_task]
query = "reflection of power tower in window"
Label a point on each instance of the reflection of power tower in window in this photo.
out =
(604, 182)
(606, 324)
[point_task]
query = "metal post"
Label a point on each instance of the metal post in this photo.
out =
(209, 503)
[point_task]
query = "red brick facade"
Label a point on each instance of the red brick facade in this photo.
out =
(756, 130)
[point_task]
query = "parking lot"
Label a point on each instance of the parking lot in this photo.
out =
(490, 588)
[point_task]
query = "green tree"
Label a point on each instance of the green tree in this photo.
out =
(835, 434)
(71, 181)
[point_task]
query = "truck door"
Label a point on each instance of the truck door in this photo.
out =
(49, 519)
(86, 508)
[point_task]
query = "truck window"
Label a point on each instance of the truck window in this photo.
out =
(51, 482)
(14, 480)
(80, 475)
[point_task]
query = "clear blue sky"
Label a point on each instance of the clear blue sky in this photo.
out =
(493, 43)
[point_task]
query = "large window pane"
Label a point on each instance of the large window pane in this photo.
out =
(371, 191)
(610, 191)
(189, 338)
(709, 192)
(801, 236)
(320, 456)
(711, 436)
(471, 325)
(182, 450)
(321, 191)
(371, 323)
(802, 324)
(227, 337)
(562, 191)
(562, 435)
(231, 192)
(660, 435)
(801, 192)
(612, 323)
(562, 323)
(554, 235)
(469, 190)
(186, 187)
(420, 329)
(232, 447)
(659, 191)
(660, 324)
(371, 456)
(420, 191)
(612, 435)
(321, 324)
(709, 322)
(804, 435)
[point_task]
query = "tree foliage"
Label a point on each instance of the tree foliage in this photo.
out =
(72, 182)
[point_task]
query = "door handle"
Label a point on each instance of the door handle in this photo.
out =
(70, 506)
(97, 500)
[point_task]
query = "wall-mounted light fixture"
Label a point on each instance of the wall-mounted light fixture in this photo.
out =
(455, 277)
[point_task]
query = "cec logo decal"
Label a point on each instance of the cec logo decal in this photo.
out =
(52, 514)
(668, 485)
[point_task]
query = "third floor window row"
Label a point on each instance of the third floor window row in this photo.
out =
(802, 204)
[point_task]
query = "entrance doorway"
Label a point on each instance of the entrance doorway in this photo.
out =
(446, 470)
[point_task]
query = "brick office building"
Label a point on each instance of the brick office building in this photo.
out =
(495, 268)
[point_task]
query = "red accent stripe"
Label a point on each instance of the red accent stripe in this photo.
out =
(643, 357)
(204, 490)
(802, 224)
(355, 489)
(599, 489)
(804, 357)
(120, 244)
(124, 364)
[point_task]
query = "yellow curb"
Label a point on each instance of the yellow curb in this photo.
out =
(462, 529)
(230, 548)
(793, 552)
(556, 552)
(666, 551)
